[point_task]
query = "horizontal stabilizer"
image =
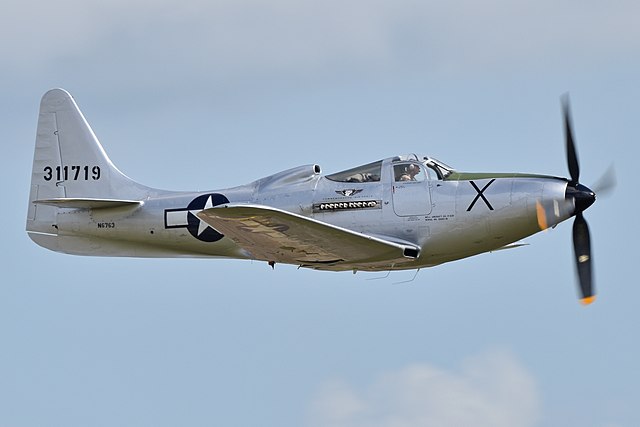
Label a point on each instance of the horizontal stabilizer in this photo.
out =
(272, 234)
(87, 203)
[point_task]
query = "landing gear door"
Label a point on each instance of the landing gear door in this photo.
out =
(411, 192)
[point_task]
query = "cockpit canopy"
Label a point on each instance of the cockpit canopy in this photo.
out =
(405, 168)
(366, 173)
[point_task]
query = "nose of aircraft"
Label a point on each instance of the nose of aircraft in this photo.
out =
(582, 195)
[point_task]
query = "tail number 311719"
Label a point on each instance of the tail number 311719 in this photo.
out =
(72, 173)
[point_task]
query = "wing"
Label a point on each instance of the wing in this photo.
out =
(272, 234)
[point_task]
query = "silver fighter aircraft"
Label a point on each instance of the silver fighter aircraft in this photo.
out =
(402, 212)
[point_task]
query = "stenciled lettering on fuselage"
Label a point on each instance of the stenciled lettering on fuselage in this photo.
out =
(186, 217)
(351, 205)
(480, 195)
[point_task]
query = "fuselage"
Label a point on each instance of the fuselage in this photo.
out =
(449, 215)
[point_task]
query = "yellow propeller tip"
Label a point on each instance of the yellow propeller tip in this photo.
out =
(588, 300)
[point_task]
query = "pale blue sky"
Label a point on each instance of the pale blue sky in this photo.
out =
(180, 92)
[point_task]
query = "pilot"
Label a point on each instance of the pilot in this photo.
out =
(410, 173)
(363, 177)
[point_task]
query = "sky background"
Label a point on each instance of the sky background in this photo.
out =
(182, 92)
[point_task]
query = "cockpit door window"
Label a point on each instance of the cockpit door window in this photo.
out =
(409, 172)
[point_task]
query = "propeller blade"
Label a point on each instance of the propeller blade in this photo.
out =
(582, 252)
(606, 183)
(572, 157)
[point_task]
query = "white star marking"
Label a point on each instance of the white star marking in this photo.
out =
(203, 225)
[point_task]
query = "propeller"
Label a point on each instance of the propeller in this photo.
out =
(582, 198)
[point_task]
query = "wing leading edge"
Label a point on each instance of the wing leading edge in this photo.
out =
(271, 234)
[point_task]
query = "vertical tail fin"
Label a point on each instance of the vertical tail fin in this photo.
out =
(69, 163)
